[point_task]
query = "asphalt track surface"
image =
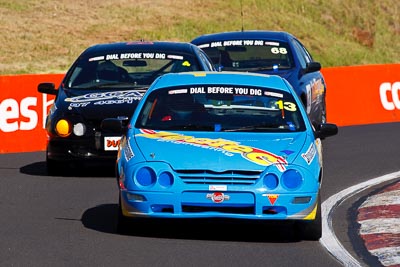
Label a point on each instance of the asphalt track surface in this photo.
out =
(70, 220)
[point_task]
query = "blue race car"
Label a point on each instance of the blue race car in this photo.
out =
(220, 145)
(270, 52)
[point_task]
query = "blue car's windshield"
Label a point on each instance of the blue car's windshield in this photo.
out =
(228, 108)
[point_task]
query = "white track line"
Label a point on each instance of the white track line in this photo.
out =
(328, 239)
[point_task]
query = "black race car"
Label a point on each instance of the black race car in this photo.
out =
(107, 80)
(270, 52)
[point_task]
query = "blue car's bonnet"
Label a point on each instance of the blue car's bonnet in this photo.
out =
(220, 151)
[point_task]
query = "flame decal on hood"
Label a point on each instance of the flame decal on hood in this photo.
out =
(258, 156)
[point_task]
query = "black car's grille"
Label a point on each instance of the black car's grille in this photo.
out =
(95, 123)
(211, 177)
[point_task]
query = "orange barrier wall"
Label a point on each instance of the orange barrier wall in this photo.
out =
(355, 95)
(23, 112)
(363, 94)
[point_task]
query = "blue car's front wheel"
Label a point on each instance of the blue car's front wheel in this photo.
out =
(311, 229)
(122, 221)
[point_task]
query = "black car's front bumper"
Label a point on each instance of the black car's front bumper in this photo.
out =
(78, 149)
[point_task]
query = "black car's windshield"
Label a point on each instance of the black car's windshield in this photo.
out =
(137, 69)
(249, 55)
(228, 108)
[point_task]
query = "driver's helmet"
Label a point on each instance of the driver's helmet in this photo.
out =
(181, 105)
(108, 71)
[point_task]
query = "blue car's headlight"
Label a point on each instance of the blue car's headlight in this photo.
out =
(145, 176)
(271, 181)
(292, 179)
(166, 179)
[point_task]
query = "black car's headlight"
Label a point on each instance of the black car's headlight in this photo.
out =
(79, 129)
(64, 128)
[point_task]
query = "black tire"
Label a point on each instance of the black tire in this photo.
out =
(54, 167)
(311, 229)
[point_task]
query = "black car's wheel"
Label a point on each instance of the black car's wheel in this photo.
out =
(311, 229)
(54, 167)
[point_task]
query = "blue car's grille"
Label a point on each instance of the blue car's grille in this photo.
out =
(226, 177)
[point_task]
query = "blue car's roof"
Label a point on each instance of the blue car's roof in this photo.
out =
(142, 46)
(251, 34)
(237, 78)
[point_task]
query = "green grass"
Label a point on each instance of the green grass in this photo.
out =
(43, 36)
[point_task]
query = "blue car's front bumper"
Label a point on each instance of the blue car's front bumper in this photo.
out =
(228, 204)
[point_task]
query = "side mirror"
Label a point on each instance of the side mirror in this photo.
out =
(114, 125)
(325, 130)
(47, 88)
(313, 67)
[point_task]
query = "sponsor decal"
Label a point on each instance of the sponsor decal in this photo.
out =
(389, 94)
(287, 152)
(177, 91)
(272, 198)
(309, 155)
(227, 90)
(128, 151)
(217, 187)
(271, 43)
(18, 116)
(111, 143)
(239, 43)
(186, 63)
(228, 147)
(217, 197)
(104, 98)
(315, 90)
(137, 55)
(96, 58)
(275, 46)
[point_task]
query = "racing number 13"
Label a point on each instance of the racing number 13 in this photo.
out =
(289, 106)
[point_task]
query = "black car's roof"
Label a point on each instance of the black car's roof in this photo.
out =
(141, 46)
(249, 34)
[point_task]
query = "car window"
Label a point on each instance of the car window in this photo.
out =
(229, 108)
(303, 55)
(206, 60)
(138, 69)
(249, 55)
